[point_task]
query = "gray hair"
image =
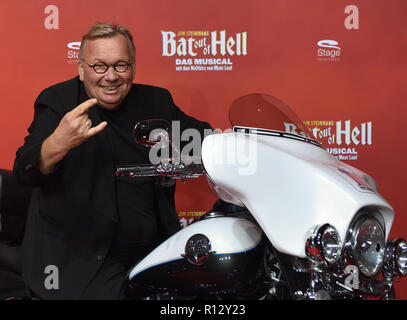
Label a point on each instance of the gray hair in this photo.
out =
(106, 30)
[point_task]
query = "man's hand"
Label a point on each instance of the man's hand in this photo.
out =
(73, 129)
(76, 127)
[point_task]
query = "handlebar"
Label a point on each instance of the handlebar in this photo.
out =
(166, 169)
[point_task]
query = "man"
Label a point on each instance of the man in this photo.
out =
(85, 226)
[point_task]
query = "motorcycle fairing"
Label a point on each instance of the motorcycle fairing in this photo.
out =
(289, 186)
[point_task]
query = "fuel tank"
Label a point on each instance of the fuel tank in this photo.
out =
(217, 254)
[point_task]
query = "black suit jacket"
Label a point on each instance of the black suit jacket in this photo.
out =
(73, 216)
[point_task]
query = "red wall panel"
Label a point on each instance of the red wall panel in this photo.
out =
(364, 83)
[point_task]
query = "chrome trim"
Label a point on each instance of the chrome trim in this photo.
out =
(392, 254)
(276, 133)
(349, 247)
(314, 245)
(334, 278)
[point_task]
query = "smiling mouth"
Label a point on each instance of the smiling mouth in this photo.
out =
(110, 88)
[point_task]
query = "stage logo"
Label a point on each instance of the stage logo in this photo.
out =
(73, 52)
(342, 139)
(203, 50)
(328, 51)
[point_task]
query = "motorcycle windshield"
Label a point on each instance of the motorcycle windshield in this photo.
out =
(263, 111)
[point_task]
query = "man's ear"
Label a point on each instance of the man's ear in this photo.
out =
(81, 70)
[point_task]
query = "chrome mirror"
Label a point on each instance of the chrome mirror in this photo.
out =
(152, 131)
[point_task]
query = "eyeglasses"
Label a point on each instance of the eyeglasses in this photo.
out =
(102, 67)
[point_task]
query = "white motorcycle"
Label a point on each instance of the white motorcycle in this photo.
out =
(293, 222)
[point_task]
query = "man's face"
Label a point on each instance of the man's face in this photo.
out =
(111, 87)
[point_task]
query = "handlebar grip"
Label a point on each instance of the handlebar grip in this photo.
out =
(176, 171)
(137, 170)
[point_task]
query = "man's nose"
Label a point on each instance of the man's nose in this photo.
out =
(111, 74)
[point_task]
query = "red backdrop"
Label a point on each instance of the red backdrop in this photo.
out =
(334, 62)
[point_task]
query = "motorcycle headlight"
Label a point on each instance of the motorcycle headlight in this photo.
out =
(323, 244)
(396, 257)
(368, 246)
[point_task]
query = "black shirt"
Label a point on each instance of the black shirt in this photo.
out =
(137, 223)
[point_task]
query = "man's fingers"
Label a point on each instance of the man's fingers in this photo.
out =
(83, 107)
(97, 129)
